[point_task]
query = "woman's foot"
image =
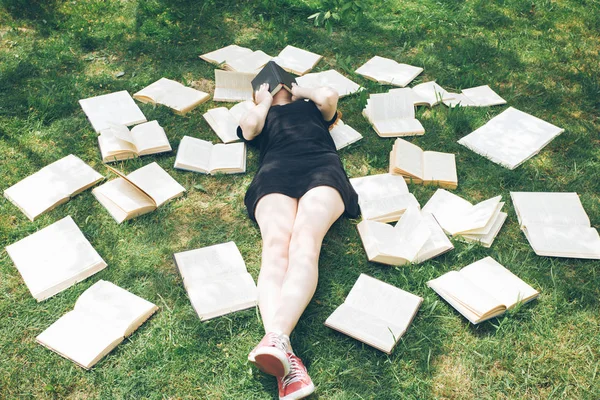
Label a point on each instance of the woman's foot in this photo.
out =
(271, 354)
(297, 384)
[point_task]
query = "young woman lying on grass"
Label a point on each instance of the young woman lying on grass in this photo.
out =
(299, 191)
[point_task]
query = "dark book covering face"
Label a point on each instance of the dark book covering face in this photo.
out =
(275, 76)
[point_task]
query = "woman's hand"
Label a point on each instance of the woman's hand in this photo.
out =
(263, 94)
(298, 93)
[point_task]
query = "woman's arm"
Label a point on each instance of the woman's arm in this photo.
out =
(325, 99)
(253, 121)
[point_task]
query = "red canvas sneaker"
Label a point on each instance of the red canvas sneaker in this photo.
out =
(297, 384)
(270, 355)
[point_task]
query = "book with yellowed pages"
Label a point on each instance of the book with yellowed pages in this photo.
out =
(140, 192)
(297, 61)
(330, 78)
(221, 56)
(55, 258)
(116, 108)
(52, 185)
(383, 197)
(344, 135)
(202, 156)
(393, 114)
(388, 72)
(233, 86)
(225, 121)
(423, 167)
(375, 313)
(556, 225)
(417, 237)
(473, 223)
(480, 96)
(103, 316)
(482, 290)
(119, 143)
(172, 94)
(216, 280)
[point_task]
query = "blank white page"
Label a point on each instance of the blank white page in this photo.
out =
(553, 208)
(222, 295)
(498, 281)
(412, 233)
(511, 138)
(576, 241)
(447, 207)
(156, 182)
(439, 167)
(194, 153)
(54, 258)
(409, 158)
(437, 243)
(210, 262)
(227, 156)
(223, 123)
(373, 187)
(240, 109)
(476, 218)
(379, 209)
(118, 108)
(296, 60)
(230, 52)
(483, 96)
(344, 135)
(121, 198)
(150, 136)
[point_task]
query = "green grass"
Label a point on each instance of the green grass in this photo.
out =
(541, 56)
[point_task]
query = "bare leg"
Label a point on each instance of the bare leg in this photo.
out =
(318, 209)
(275, 214)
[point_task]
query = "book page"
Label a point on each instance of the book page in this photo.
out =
(194, 154)
(373, 187)
(431, 92)
(296, 60)
(228, 157)
(330, 78)
(210, 262)
(240, 109)
(52, 185)
(121, 132)
(446, 207)
(157, 183)
(118, 108)
(81, 338)
(466, 297)
(111, 145)
(437, 243)
(412, 233)
(124, 197)
(251, 63)
(388, 208)
(399, 127)
(386, 106)
(223, 123)
(575, 241)
(226, 53)
(488, 227)
(552, 208)
(487, 239)
(233, 86)
(378, 69)
(172, 94)
(344, 135)
(439, 167)
(222, 295)
(476, 218)
(498, 282)
(54, 258)
(459, 99)
(408, 158)
(511, 138)
(114, 306)
(150, 136)
(483, 96)
(380, 239)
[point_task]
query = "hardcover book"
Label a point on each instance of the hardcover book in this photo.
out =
(275, 76)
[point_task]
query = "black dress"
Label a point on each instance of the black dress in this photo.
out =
(297, 154)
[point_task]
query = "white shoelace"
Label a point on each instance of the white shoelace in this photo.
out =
(296, 373)
(279, 341)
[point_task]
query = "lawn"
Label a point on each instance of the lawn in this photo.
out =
(541, 56)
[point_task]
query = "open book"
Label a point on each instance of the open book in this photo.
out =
(415, 238)
(344, 135)
(117, 107)
(482, 290)
(556, 224)
(52, 185)
(216, 280)
(473, 223)
(201, 156)
(103, 316)
(140, 192)
(392, 114)
(233, 86)
(330, 78)
(54, 258)
(119, 143)
(225, 121)
(230, 52)
(388, 72)
(172, 94)
(511, 138)
(383, 197)
(248, 62)
(426, 167)
(297, 61)
(430, 94)
(376, 313)
(480, 96)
